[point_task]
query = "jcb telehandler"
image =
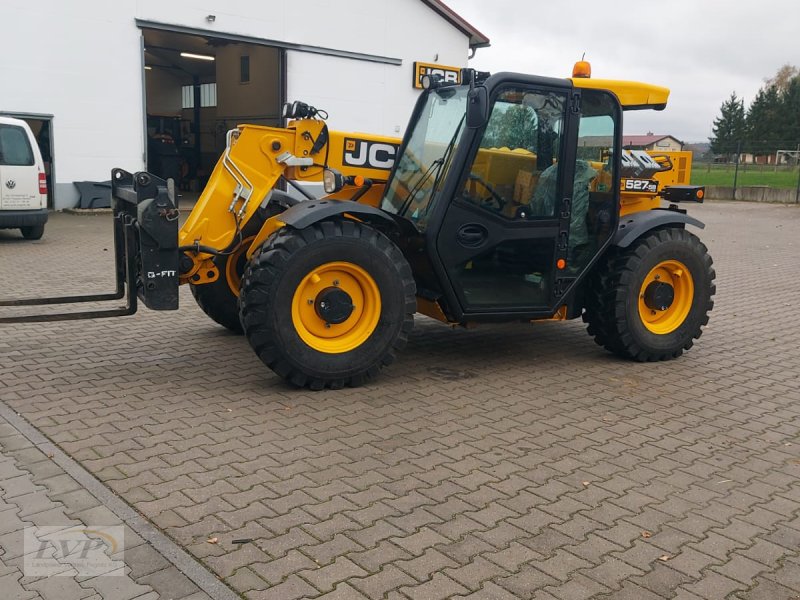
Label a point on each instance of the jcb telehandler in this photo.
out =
(510, 198)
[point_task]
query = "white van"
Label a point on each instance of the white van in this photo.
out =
(23, 184)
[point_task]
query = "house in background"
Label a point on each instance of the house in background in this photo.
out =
(651, 141)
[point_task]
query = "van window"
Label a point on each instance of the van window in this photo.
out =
(15, 149)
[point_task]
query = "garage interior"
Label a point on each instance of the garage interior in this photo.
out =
(196, 89)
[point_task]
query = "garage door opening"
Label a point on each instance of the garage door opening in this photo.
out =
(197, 88)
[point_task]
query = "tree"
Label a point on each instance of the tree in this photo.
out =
(790, 111)
(729, 128)
(513, 128)
(783, 77)
(772, 121)
(765, 122)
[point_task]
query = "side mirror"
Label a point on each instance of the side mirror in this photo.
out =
(477, 107)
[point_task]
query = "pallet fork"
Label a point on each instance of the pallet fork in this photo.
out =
(145, 253)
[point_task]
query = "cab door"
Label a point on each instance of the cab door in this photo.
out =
(504, 238)
(538, 202)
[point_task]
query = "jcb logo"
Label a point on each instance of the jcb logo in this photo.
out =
(373, 155)
(640, 185)
(448, 74)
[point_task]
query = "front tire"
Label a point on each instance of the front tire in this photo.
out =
(650, 301)
(328, 305)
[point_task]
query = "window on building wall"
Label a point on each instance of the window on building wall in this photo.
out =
(187, 95)
(244, 69)
(208, 95)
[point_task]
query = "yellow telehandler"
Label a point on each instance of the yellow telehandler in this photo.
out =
(510, 198)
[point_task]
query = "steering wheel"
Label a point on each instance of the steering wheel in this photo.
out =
(501, 202)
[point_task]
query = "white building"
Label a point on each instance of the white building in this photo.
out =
(97, 79)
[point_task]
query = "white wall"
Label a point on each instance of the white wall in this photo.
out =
(374, 97)
(81, 61)
(368, 26)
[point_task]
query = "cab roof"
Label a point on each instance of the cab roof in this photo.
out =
(632, 95)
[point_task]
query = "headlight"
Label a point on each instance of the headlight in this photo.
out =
(332, 181)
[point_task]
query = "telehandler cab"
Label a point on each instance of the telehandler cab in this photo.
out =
(510, 198)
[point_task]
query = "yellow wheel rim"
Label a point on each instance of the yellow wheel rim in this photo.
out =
(233, 274)
(674, 273)
(336, 338)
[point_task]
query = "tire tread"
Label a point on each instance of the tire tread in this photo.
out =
(605, 309)
(266, 267)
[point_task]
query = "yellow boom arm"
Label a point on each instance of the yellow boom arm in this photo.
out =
(255, 158)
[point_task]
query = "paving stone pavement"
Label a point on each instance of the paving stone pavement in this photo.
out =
(498, 462)
(35, 492)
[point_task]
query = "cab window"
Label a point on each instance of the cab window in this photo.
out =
(515, 171)
(414, 187)
(593, 204)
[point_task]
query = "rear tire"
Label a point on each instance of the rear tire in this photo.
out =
(620, 314)
(297, 272)
(220, 299)
(32, 232)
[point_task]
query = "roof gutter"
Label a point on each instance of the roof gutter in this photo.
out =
(476, 38)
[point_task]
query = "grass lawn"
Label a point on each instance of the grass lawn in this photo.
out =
(723, 175)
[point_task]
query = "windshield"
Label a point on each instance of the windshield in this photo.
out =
(415, 184)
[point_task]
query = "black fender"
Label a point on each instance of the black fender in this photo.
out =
(306, 213)
(632, 227)
(281, 198)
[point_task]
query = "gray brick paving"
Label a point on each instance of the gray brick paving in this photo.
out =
(499, 462)
(35, 491)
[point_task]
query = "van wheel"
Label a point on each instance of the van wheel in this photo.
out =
(32, 232)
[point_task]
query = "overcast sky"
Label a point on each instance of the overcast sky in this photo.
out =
(701, 49)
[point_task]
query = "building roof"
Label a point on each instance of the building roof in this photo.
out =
(595, 141)
(645, 140)
(476, 38)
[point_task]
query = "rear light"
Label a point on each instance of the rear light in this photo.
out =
(42, 184)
